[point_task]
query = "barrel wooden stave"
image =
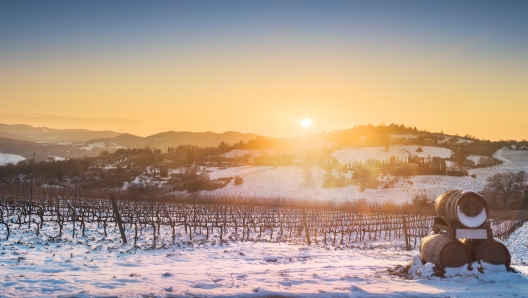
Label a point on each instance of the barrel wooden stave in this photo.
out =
(444, 252)
(489, 251)
(469, 202)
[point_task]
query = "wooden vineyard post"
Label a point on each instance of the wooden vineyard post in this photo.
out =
(118, 218)
(32, 186)
(406, 234)
(73, 217)
(308, 241)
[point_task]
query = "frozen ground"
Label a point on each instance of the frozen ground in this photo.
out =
(306, 182)
(98, 266)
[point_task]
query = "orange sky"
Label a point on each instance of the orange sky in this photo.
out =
(265, 80)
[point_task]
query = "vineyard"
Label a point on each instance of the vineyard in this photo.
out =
(428, 151)
(216, 220)
(363, 154)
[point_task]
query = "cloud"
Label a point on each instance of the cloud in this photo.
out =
(458, 48)
(60, 119)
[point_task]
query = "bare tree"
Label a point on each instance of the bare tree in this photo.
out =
(504, 189)
(522, 179)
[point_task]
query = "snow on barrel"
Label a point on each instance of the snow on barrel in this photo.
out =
(465, 207)
(489, 251)
(444, 252)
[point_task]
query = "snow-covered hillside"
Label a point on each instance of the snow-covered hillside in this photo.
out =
(518, 157)
(403, 136)
(306, 182)
(9, 158)
(518, 246)
(429, 151)
(362, 154)
(102, 145)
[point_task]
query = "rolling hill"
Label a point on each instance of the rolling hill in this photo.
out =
(45, 134)
(176, 138)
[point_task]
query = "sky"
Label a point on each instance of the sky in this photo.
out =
(264, 66)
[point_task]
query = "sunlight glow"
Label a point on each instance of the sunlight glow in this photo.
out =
(306, 122)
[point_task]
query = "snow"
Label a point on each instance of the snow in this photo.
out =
(362, 154)
(460, 140)
(116, 146)
(299, 182)
(426, 271)
(10, 158)
(244, 152)
(464, 141)
(381, 154)
(403, 136)
(95, 265)
(429, 151)
(472, 222)
(475, 158)
(101, 145)
(142, 181)
(179, 170)
(507, 283)
(518, 246)
(519, 157)
(89, 147)
(416, 265)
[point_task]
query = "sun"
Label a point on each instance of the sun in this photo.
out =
(306, 122)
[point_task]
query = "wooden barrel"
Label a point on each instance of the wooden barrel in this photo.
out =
(467, 208)
(489, 251)
(444, 252)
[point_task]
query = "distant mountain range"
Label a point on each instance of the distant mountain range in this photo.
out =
(175, 138)
(45, 134)
(22, 139)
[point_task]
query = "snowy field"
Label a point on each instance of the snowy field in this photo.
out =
(306, 182)
(98, 266)
(9, 158)
(429, 151)
(518, 157)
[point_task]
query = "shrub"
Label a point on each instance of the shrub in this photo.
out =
(238, 180)
(422, 201)
(331, 181)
